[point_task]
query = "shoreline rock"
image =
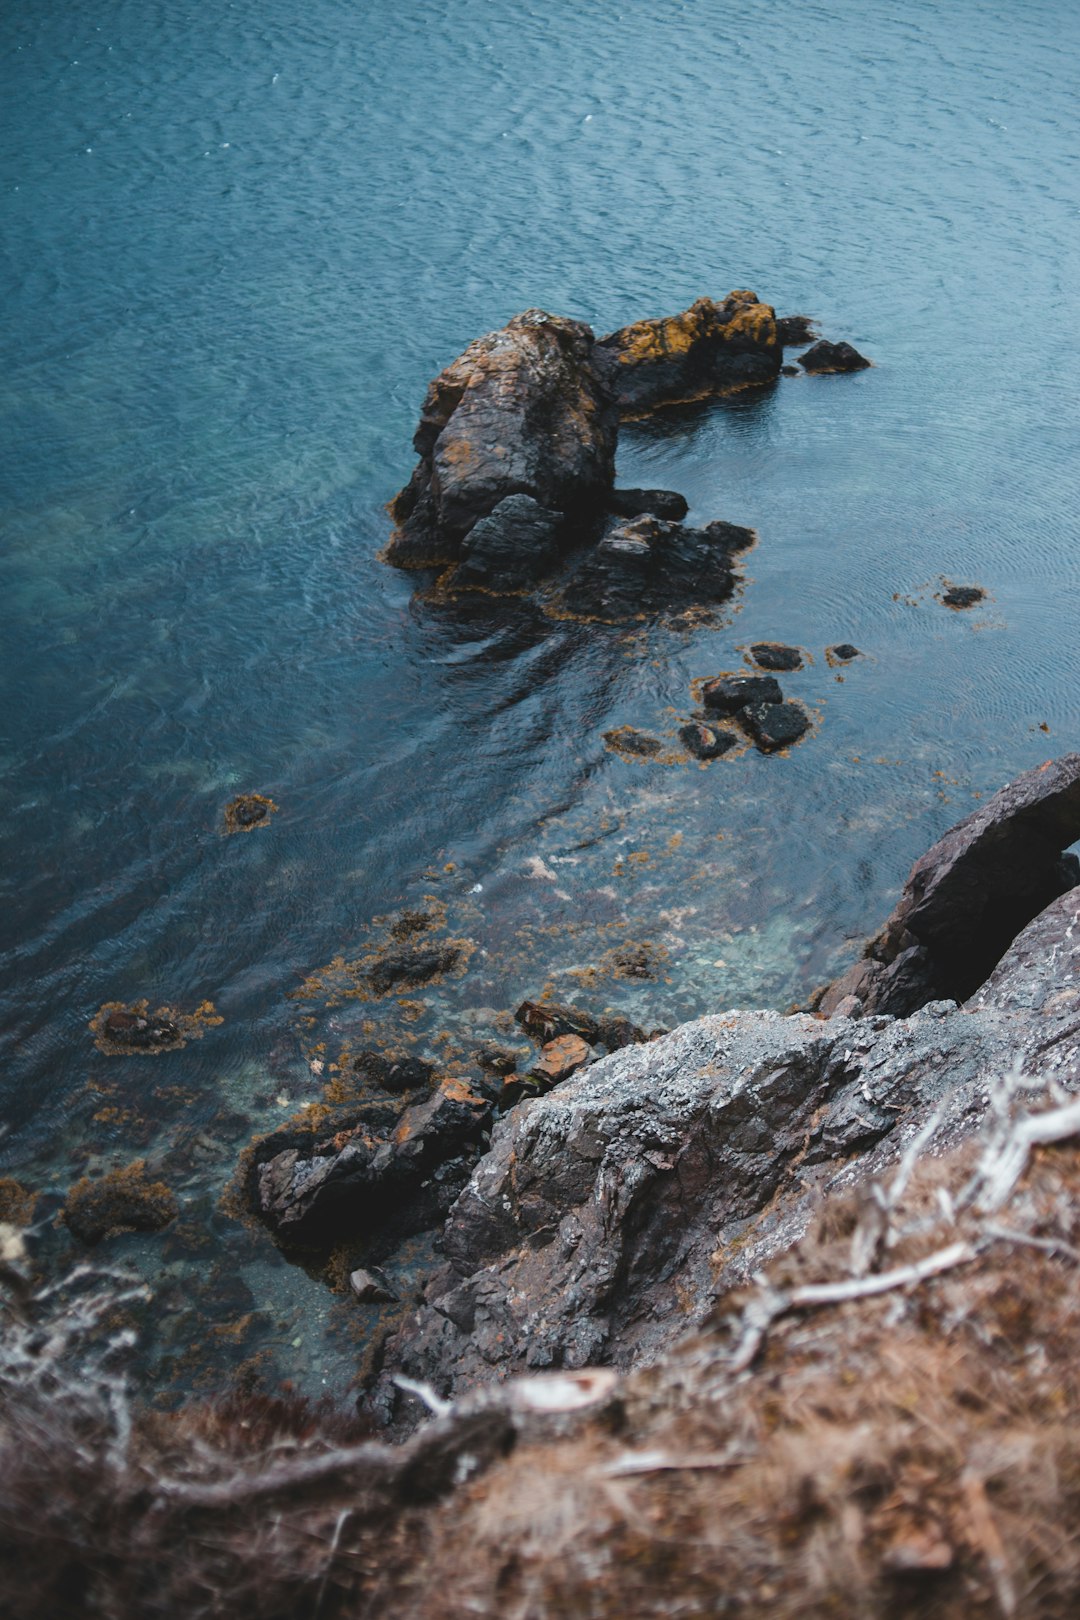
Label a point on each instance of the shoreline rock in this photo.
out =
(969, 896)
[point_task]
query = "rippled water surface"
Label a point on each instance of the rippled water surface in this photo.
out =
(235, 246)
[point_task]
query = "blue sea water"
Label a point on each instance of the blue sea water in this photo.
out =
(235, 244)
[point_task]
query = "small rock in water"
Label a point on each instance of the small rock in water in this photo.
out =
(370, 1287)
(661, 503)
(775, 655)
(248, 811)
(825, 356)
(842, 653)
(727, 694)
(774, 725)
(705, 742)
(963, 596)
(625, 740)
(121, 1201)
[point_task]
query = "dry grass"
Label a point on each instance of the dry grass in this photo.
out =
(887, 1426)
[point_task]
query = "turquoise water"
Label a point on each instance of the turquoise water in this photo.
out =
(235, 246)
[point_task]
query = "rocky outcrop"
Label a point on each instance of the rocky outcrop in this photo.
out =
(970, 895)
(522, 411)
(709, 349)
(532, 411)
(608, 1216)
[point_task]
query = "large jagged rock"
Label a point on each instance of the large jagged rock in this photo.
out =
(609, 1215)
(709, 349)
(970, 895)
(522, 411)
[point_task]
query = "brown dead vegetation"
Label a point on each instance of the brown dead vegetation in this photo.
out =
(887, 1425)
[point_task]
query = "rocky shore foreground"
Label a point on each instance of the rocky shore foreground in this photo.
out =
(770, 1314)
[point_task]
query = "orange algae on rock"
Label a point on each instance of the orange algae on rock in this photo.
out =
(124, 1029)
(248, 811)
(16, 1202)
(123, 1200)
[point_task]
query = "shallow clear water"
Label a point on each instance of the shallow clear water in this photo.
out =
(235, 246)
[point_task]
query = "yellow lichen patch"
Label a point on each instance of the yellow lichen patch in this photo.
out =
(248, 811)
(16, 1202)
(755, 321)
(123, 1029)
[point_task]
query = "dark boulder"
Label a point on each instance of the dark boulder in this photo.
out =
(314, 1193)
(727, 694)
(826, 356)
(706, 742)
(706, 350)
(969, 896)
(510, 548)
(842, 653)
(774, 725)
(662, 503)
(775, 655)
(522, 411)
(647, 565)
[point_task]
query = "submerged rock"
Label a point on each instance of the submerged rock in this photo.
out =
(709, 349)
(826, 356)
(842, 653)
(662, 503)
(412, 967)
(248, 811)
(969, 896)
(121, 1029)
(774, 725)
(521, 411)
(511, 548)
(628, 740)
(370, 1287)
(393, 1073)
(120, 1201)
(727, 694)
